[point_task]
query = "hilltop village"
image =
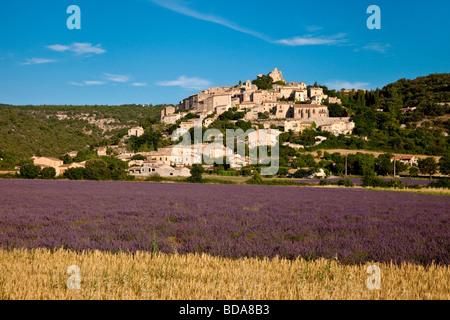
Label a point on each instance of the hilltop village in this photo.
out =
(285, 107)
(291, 115)
(288, 106)
(291, 121)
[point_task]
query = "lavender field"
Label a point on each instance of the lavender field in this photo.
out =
(358, 181)
(354, 225)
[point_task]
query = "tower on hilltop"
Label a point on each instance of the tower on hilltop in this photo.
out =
(276, 75)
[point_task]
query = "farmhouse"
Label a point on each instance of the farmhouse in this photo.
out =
(409, 160)
(47, 162)
(58, 165)
(150, 168)
(339, 126)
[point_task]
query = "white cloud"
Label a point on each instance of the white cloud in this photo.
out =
(181, 8)
(139, 84)
(93, 83)
(313, 28)
(378, 47)
(58, 47)
(78, 48)
(176, 6)
(37, 61)
(186, 83)
(340, 84)
(117, 77)
(311, 41)
(87, 83)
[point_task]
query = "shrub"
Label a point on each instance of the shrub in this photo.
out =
(345, 182)
(441, 183)
(246, 171)
(301, 173)
(256, 179)
(371, 180)
(74, 174)
(97, 169)
(196, 174)
(228, 173)
(395, 183)
(413, 171)
(30, 171)
(138, 157)
(48, 173)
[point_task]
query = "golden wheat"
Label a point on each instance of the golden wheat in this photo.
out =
(42, 274)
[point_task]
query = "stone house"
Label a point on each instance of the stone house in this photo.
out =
(339, 126)
(157, 168)
(307, 111)
(47, 162)
(58, 165)
(333, 100)
(136, 131)
(171, 119)
(296, 125)
(264, 137)
(409, 160)
(315, 92)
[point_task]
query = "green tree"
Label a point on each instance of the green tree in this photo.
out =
(371, 180)
(256, 178)
(96, 169)
(263, 115)
(301, 173)
(30, 171)
(117, 168)
(246, 171)
(444, 165)
(383, 164)
(264, 83)
(74, 174)
(428, 166)
(138, 157)
(67, 159)
(413, 171)
(196, 174)
(282, 171)
(337, 110)
(48, 173)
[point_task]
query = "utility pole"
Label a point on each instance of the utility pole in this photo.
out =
(346, 157)
(394, 167)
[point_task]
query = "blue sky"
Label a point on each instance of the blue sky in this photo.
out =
(161, 51)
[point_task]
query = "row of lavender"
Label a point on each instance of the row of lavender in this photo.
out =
(354, 225)
(358, 181)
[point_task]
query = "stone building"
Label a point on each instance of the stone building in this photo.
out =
(333, 100)
(136, 131)
(307, 111)
(276, 75)
(338, 126)
(315, 92)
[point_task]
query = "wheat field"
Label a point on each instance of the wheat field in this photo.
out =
(42, 274)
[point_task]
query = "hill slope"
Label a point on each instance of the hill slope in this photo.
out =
(55, 130)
